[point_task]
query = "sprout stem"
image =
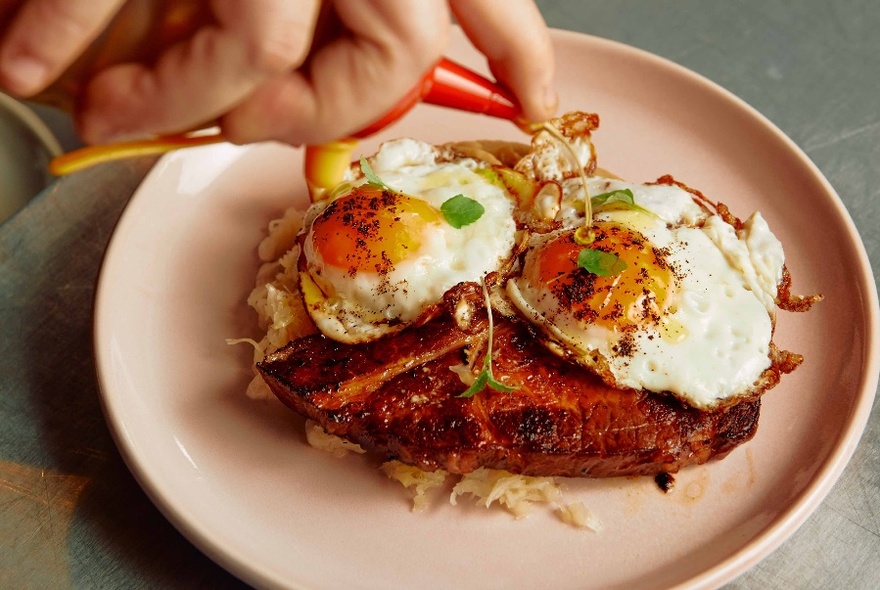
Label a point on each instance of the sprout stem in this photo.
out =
(588, 206)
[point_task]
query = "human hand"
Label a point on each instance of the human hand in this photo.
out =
(271, 69)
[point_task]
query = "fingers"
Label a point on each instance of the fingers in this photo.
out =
(351, 80)
(45, 37)
(197, 81)
(517, 44)
(247, 67)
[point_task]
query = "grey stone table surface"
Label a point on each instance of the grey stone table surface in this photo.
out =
(72, 516)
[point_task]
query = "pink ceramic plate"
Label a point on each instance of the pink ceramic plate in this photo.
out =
(237, 478)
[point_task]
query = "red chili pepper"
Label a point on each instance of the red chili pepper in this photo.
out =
(452, 85)
(448, 84)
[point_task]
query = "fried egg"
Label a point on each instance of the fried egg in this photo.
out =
(691, 314)
(375, 260)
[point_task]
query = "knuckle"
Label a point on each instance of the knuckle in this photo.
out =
(411, 56)
(427, 45)
(274, 56)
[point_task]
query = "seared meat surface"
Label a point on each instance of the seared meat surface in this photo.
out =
(398, 397)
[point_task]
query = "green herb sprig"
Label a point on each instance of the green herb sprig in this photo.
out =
(460, 211)
(617, 196)
(603, 264)
(486, 378)
(617, 199)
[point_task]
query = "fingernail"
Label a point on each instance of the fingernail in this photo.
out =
(24, 74)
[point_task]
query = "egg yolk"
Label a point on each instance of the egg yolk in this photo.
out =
(640, 294)
(371, 230)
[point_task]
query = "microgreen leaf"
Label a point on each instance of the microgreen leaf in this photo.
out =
(486, 378)
(477, 386)
(603, 264)
(621, 198)
(372, 178)
(497, 385)
(618, 196)
(460, 211)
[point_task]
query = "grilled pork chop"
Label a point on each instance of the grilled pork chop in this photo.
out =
(398, 397)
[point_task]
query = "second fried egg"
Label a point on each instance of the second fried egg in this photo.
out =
(692, 312)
